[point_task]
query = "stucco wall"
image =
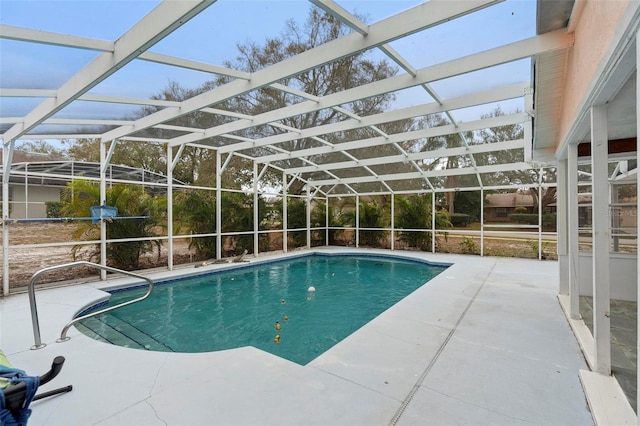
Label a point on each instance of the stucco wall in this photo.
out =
(37, 195)
(623, 277)
(594, 34)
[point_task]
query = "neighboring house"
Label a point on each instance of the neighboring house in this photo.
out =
(30, 201)
(498, 207)
(33, 184)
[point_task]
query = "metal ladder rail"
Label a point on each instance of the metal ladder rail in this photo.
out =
(63, 334)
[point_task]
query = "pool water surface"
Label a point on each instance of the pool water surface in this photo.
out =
(268, 306)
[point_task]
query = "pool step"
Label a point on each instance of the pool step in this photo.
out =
(100, 330)
(88, 330)
(146, 341)
(111, 329)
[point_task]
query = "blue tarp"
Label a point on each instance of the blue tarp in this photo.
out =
(15, 376)
(103, 212)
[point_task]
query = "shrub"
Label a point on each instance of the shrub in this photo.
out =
(53, 208)
(546, 249)
(468, 245)
(460, 219)
(549, 219)
(529, 219)
(520, 210)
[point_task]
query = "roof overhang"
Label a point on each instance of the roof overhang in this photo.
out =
(615, 86)
(549, 70)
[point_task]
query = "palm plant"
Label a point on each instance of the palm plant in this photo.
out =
(237, 216)
(297, 219)
(371, 215)
(415, 212)
(131, 201)
(197, 211)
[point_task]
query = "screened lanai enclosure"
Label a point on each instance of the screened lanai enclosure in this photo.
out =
(184, 133)
(362, 133)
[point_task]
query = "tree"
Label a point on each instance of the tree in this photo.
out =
(130, 200)
(39, 150)
(319, 220)
(453, 140)
(528, 178)
(468, 202)
(547, 195)
(196, 165)
(143, 155)
(333, 77)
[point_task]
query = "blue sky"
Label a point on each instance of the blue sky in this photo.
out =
(213, 35)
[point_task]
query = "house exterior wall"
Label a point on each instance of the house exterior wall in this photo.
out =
(37, 195)
(501, 214)
(622, 277)
(498, 207)
(590, 48)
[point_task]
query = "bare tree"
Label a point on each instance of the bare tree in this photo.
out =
(334, 77)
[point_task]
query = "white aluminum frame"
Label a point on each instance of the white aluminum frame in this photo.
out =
(170, 15)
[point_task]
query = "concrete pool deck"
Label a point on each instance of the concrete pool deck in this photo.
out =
(485, 342)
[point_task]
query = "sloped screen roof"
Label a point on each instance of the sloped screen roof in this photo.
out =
(454, 76)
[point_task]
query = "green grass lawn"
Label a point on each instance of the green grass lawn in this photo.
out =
(475, 226)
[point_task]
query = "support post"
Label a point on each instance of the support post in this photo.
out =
(540, 215)
(7, 160)
(562, 231)
(218, 205)
(433, 222)
(285, 225)
(326, 221)
(170, 166)
(357, 221)
(573, 234)
(601, 240)
(256, 223)
(393, 221)
(308, 210)
(638, 198)
(103, 201)
(481, 222)
(615, 218)
(26, 190)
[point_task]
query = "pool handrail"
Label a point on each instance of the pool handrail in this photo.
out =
(63, 334)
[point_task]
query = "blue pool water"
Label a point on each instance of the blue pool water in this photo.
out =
(240, 307)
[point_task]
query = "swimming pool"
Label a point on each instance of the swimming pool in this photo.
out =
(268, 306)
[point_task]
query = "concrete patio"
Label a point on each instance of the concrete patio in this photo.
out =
(485, 342)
